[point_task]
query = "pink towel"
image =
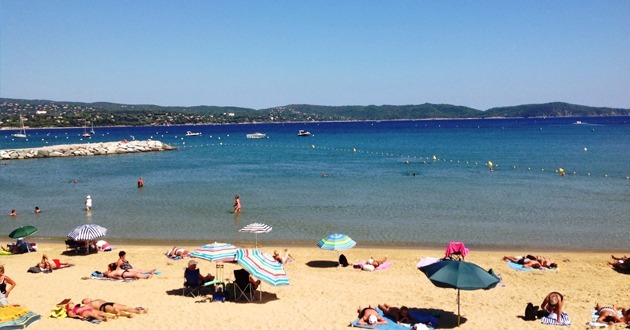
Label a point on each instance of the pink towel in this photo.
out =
(456, 247)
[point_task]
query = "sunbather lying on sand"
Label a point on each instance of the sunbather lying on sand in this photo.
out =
(284, 257)
(177, 252)
(622, 263)
(119, 273)
(84, 312)
(400, 315)
(525, 261)
(47, 264)
(608, 315)
(114, 308)
(369, 316)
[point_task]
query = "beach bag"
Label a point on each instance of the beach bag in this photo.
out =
(343, 261)
(531, 312)
(34, 269)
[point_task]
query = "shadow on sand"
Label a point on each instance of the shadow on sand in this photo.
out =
(322, 264)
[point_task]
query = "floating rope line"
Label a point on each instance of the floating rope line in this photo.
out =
(410, 159)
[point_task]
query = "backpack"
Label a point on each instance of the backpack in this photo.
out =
(531, 312)
(343, 261)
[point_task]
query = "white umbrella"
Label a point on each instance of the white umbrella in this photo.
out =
(256, 228)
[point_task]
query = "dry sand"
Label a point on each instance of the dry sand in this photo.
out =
(320, 295)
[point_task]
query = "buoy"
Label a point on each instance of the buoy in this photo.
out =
(585, 149)
(434, 158)
(354, 149)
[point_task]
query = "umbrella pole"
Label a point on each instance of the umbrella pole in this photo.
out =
(458, 315)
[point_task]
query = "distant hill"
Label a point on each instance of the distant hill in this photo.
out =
(45, 113)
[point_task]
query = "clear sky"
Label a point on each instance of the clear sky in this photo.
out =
(260, 54)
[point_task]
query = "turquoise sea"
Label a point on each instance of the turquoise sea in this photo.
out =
(383, 186)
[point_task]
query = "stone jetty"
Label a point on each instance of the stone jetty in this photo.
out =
(86, 149)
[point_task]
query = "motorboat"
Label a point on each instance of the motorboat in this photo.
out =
(304, 133)
(189, 133)
(256, 135)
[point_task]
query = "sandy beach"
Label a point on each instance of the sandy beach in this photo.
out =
(320, 296)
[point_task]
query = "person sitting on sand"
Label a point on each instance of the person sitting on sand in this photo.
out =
(400, 315)
(553, 305)
(83, 312)
(608, 315)
(123, 264)
(284, 258)
(193, 272)
(525, 261)
(177, 252)
(119, 274)
(113, 308)
(620, 263)
(369, 316)
(47, 264)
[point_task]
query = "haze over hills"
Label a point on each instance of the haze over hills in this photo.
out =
(45, 113)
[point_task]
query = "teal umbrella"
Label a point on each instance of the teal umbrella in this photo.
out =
(23, 232)
(460, 275)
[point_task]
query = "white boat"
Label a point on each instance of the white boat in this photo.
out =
(92, 130)
(22, 132)
(579, 122)
(189, 133)
(304, 133)
(256, 136)
(85, 133)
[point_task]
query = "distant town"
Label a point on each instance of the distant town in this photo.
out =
(44, 113)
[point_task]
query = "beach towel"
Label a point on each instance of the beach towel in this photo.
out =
(456, 248)
(552, 318)
(383, 266)
(392, 325)
(520, 268)
(17, 317)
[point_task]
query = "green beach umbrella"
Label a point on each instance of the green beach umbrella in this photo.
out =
(460, 275)
(23, 232)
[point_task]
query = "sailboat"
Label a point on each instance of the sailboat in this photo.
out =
(22, 132)
(92, 130)
(85, 132)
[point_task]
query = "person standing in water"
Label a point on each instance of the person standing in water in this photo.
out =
(140, 182)
(88, 203)
(237, 204)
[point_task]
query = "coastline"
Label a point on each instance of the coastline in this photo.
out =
(320, 295)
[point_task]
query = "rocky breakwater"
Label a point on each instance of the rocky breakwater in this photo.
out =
(87, 149)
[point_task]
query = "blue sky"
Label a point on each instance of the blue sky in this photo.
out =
(260, 54)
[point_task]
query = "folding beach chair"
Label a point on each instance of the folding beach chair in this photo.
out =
(191, 284)
(242, 287)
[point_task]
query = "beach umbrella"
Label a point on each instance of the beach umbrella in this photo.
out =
(87, 232)
(217, 252)
(256, 228)
(336, 242)
(262, 266)
(23, 231)
(460, 275)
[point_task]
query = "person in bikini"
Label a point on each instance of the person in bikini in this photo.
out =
(527, 262)
(119, 273)
(369, 316)
(47, 264)
(122, 263)
(608, 315)
(84, 312)
(177, 252)
(113, 308)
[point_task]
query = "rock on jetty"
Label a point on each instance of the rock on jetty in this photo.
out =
(87, 149)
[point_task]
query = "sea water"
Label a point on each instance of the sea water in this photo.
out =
(412, 183)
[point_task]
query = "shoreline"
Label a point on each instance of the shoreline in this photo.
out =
(363, 245)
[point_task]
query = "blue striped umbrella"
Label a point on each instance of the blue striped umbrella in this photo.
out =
(87, 232)
(218, 252)
(336, 242)
(262, 266)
